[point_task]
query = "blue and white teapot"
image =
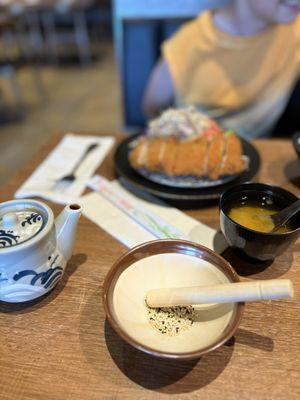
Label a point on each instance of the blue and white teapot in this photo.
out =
(34, 248)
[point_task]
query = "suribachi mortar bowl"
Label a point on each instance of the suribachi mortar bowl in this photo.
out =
(173, 247)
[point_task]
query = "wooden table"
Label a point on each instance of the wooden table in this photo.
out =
(61, 347)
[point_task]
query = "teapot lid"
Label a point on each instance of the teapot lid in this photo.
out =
(20, 221)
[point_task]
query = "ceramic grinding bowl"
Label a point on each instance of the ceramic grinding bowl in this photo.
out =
(147, 261)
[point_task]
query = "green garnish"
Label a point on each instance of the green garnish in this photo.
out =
(228, 133)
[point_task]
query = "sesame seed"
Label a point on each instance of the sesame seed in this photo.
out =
(171, 320)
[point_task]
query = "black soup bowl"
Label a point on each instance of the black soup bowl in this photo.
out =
(257, 245)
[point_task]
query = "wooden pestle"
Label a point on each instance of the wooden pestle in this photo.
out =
(221, 293)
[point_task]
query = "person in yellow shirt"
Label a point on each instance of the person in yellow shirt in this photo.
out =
(238, 64)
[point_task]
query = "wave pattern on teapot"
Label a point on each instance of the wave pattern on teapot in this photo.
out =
(7, 238)
(46, 278)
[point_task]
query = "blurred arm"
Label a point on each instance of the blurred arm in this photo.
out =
(159, 92)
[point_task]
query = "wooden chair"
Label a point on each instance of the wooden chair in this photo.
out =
(27, 29)
(8, 76)
(56, 38)
(20, 44)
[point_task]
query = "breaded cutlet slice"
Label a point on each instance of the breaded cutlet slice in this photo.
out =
(153, 162)
(232, 161)
(215, 156)
(138, 155)
(190, 157)
(202, 145)
(205, 156)
(169, 156)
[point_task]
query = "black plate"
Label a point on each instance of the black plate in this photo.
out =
(182, 195)
(186, 182)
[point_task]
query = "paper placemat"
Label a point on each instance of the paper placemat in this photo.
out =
(128, 231)
(60, 162)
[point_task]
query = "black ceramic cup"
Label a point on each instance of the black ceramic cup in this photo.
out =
(257, 245)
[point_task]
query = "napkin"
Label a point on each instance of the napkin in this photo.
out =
(60, 162)
(114, 218)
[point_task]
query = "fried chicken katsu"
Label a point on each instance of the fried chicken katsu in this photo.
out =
(197, 147)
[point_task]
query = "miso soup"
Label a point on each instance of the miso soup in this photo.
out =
(253, 211)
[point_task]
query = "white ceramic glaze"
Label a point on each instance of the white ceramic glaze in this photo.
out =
(33, 251)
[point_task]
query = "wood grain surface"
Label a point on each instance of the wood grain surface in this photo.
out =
(61, 347)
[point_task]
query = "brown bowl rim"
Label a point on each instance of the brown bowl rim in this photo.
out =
(168, 244)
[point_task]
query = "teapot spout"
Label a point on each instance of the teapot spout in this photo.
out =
(66, 224)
